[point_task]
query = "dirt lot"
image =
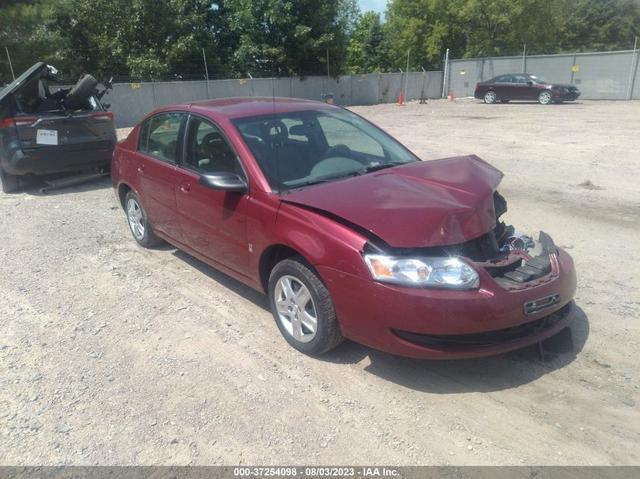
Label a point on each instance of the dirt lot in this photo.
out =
(111, 354)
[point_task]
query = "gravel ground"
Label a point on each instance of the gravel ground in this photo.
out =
(113, 355)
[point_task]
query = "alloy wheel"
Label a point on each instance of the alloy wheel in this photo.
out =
(136, 219)
(295, 308)
(545, 98)
(490, 97)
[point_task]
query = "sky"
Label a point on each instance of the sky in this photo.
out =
(375, 5)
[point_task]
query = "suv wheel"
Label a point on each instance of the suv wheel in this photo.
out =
(490, 97)
(10, 183)
(138, 223)
(544, 97)
(302, 307)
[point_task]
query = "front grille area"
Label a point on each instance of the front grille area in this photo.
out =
(488, 338)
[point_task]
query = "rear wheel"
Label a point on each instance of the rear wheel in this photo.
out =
(302, 307)
(544, 97)
(10, 183)
(490, 97)
(138, 223)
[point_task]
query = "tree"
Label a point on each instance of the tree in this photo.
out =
(145, 39)
(599, 25)
(27, 34)
(367, 49)
(289, 37)
(427, 28)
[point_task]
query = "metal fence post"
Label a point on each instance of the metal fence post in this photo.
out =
(445, 76)
(632, 70)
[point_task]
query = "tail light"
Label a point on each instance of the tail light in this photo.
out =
(19, 121)
(102, 115)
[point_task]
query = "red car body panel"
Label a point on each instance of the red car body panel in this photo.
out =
(415, 205)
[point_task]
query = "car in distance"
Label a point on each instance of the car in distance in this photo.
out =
(46, 131)
(524, 87)
(348, 233)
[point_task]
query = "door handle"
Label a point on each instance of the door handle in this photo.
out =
(140, 169)
(186, 188)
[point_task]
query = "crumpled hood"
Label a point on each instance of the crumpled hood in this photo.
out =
(430, 203)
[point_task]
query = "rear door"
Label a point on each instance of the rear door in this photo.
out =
(503, 86)
(214, 222)
(157, 156)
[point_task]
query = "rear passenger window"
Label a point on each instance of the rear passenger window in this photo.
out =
(159, 136)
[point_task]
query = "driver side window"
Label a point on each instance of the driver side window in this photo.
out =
(207, 151)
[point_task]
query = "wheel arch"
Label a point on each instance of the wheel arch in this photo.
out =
(271, 256)
(122, 190)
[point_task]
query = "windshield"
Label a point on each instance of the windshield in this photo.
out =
(302, 148)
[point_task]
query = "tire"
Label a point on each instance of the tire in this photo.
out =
(300, 308)
(10, 183)
(545, 98)
(138, 224)
(490, 97)
(78, 96)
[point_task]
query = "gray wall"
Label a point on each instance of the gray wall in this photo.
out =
(132, 101)
(600, 76)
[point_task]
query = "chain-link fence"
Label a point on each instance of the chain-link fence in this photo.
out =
(599, 76)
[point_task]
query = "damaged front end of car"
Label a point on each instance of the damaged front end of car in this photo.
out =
(514, 260)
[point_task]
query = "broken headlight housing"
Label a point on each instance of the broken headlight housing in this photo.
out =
(446, 272)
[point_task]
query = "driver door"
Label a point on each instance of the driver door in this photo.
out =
(213, 222)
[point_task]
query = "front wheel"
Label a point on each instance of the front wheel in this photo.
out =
(302, 307)
(544, 98)
(10, 183)
(490, 97)
(138, 222)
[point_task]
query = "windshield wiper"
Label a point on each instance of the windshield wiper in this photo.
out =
(380, 166)
(326, 179)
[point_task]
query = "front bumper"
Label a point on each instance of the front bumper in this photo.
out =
(449, 324)
(566, 95)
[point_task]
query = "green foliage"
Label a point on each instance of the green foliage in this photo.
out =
(471, 28)
(287, 37)
(164, 39)
(367, 50)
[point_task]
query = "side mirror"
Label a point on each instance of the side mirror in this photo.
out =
(530, 83)
(223, 181)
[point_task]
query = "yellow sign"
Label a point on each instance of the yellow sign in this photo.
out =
(135, 86)
(575, 68)
(243, 81)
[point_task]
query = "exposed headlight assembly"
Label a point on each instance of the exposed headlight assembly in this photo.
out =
(452, 273)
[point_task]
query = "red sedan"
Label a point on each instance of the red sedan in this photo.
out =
(348, 233)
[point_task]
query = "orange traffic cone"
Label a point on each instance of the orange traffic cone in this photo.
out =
(401, 99)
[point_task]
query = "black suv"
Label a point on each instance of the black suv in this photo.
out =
(46, 129)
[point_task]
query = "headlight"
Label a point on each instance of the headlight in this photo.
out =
(430, 272)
